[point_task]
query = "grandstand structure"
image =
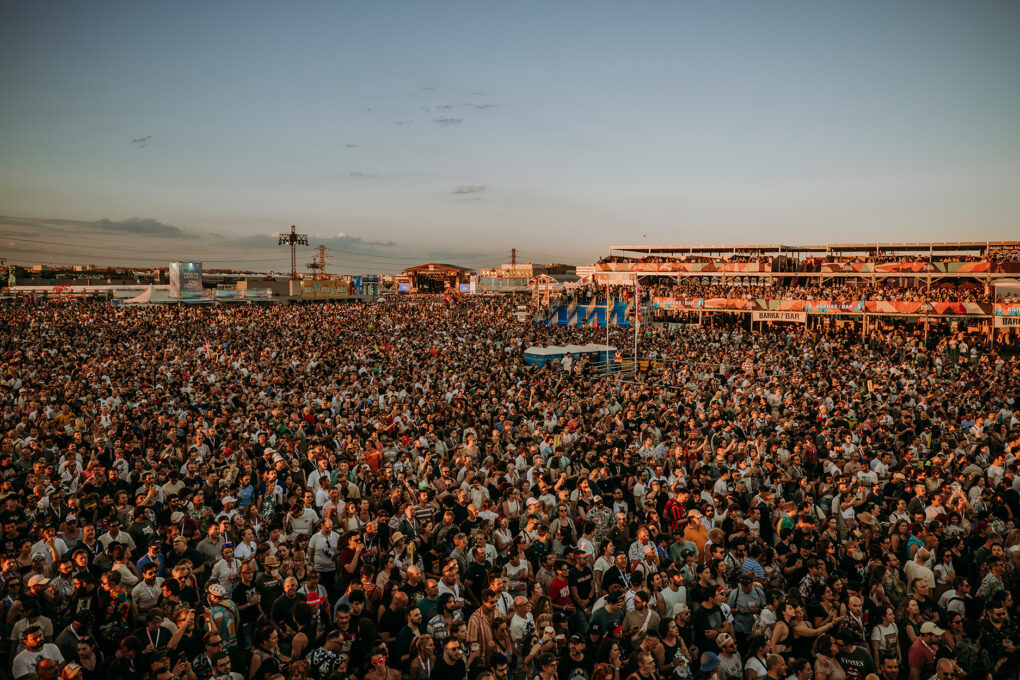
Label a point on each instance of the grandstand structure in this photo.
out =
(938, 282)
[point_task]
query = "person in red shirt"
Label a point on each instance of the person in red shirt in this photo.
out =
(559, 589)
(921, 656)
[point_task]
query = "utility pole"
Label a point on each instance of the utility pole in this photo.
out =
(293, 239)
(318, 263)
(513, 258)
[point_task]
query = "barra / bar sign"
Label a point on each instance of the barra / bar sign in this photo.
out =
(793, 317)
(1006, 321)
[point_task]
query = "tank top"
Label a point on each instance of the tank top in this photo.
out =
(801, 646)
(671, 650)
(785, 641)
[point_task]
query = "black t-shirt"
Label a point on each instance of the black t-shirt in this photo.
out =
(478, 575)
(704, 619)
(392, 621)
(282, 609)
(857, 663)
(582, 579)
(414, 592)
(570, 669)
(241, 596)
(445, 671)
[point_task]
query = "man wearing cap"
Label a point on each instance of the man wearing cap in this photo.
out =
(223, 615)
(695, 531)
(154, 555)
(610, 615)
(746, 601)
(921, 657)
(577, 656)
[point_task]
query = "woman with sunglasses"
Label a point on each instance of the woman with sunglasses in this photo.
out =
(379, 667)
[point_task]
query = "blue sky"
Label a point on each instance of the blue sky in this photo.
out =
(400, 132)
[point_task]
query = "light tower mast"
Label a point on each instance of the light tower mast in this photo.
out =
(293, 239)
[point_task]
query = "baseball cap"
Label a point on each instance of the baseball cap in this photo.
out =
(709, 662)
(929, 628)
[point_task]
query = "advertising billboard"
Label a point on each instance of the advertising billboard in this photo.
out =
(186, 280)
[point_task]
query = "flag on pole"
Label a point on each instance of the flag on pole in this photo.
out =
(637, 305)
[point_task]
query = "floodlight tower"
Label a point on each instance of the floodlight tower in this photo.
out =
(293, 239)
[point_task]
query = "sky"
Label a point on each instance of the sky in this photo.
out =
(399, 132)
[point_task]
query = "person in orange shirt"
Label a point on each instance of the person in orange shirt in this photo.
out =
(373, 457)
(695, 531)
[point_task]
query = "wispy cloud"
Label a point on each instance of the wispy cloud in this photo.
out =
(469, 189)
(141, 142)
(448, 122)
(140, 226)
(133, 226)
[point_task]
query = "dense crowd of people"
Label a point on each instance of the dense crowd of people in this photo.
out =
(387, 491)
(834, 290)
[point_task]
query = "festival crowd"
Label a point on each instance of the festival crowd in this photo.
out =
(387, 491)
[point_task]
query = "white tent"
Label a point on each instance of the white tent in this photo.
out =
(143, 299)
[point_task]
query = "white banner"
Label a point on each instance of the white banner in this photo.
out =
(614, 278)
(794, 317)
(1006, 321)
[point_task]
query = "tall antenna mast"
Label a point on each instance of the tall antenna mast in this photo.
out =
(293, 239)
(318, 263)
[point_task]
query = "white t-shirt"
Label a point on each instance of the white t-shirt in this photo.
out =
(303, 523)
(886, 636)
(323, 550)
(26, 661)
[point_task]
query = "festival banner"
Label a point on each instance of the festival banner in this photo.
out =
(916, 267)
(789, 317)
(727, 303)
(1006, 309)
(949, 308)
(889, 307)
(830, 307)
(780, 304)
(1006, 321)
(677, 303)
